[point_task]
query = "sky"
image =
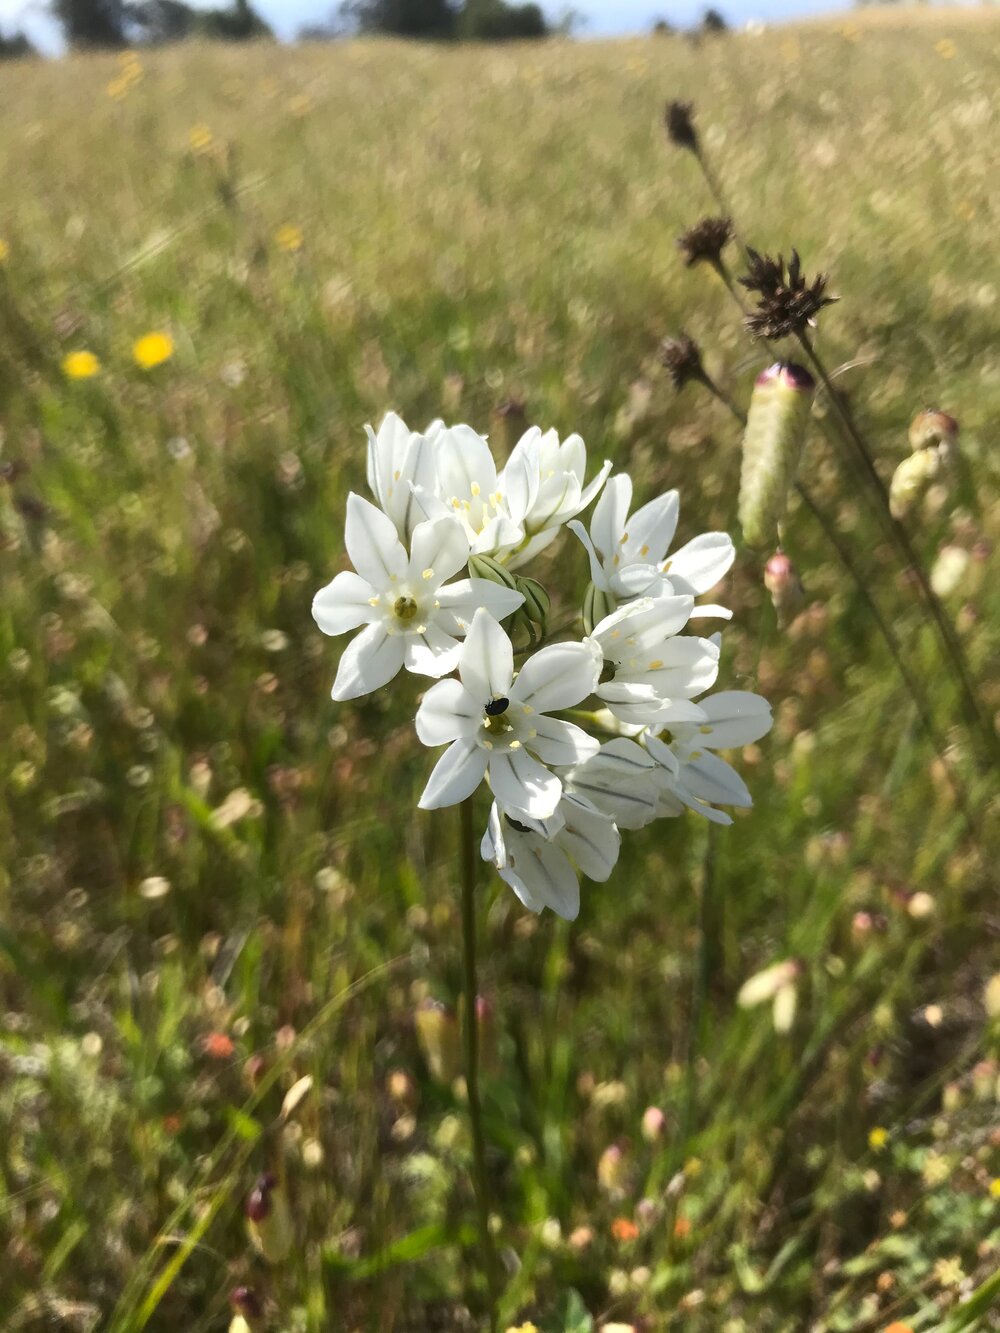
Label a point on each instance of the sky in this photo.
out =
(602, 17)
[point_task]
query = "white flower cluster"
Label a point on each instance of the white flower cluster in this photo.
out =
(560, 796)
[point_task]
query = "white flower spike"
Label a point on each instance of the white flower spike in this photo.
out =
(495, 722)
(410, 618)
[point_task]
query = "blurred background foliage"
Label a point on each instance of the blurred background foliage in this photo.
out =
(216, 883)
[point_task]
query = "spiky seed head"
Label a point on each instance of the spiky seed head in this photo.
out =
(787, 303)
(772, 445)
(705, 241)
(681, 358)
(677, 118)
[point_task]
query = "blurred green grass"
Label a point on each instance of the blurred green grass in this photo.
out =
(476, 227)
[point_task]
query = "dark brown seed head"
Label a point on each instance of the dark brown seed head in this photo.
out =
(704, 242)
(786, 302)
(681, 358)
(679, 125)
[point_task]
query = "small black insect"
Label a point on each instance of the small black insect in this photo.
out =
(521, 828)
(497, 706)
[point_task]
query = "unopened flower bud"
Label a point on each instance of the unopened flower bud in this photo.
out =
(912, 480)
(439, 1039)
(932, 429)
(613, 1171)
(679, 125)
(485, 567)
(785, 587)
(772, 445)
(268, 1219)
(245, 1301)
(949, 571)
(536, 600)
(597, 603)
(653, 1123)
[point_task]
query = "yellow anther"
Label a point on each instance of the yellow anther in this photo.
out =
(474, 488)
(427, 574)
(655, 666)
(515, 745)
(705, 731)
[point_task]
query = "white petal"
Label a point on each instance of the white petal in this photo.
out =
(440, 548)
(607, 527)
(560, 743)
(460, 601)
(518, 482)
(486, 665)
(637, 580)
(651, 529)
(617, 781)
(558, 676)
(431, 651)
(735, 717)
(344, 604)
(499, 534)
(523, 785)
(541, 875)
(368, 662)
(447, 711)
(558, 498)
(710, 611)
(709, 778)
(385, 455)
(597, 573)
(532, 547)
(373, 544)
(456, 775)
(589, 491)
(416, 477)
(700, 564)
(465, 465)
(589, 837)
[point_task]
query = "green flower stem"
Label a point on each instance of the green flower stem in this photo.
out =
(471, 1035)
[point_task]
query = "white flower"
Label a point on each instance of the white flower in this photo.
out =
(466, 487)
(692, 775)
(628, 554)
(543, 482)
(654, 672)
(536, 857)
(400, 461)
(410, 619)
(491, 720)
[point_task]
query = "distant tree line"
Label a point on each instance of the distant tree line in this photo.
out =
(438, 20)
(119, 23)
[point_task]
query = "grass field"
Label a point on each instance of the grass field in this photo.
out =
(215, 881)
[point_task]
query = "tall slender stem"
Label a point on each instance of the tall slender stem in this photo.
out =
(898, 533)
(977, 720)
(891, 639)
(471, 1035)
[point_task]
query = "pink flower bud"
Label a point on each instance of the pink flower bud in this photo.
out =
(785, 587)
(653, 1123)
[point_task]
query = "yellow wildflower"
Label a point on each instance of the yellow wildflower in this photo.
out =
(80, 365)
(878, 1138)
(946, 48)
(523, 1328)
(200, 138)
(4, 251)
(288, 237)
(949, 1272)
(118, 89)
(995, 1188)
(153, 349)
